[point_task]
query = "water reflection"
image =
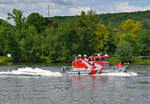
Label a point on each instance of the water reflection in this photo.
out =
(85, 88)
(92, 89)
(83, 82)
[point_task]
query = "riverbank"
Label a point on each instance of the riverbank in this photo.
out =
(44, 61)
(48, 62)
(5, 60)
(133, 61)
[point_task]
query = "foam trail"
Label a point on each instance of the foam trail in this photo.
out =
(121, 74)
(32, 71)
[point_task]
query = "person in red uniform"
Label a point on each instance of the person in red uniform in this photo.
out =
(119, 65)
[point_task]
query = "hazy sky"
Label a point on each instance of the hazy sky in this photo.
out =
(72, 7)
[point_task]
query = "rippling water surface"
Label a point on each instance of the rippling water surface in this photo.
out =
(46, 85)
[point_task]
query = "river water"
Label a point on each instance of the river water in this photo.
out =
(46, 85)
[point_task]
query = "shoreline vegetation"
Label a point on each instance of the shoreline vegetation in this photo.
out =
(38, 40)
(46, 61)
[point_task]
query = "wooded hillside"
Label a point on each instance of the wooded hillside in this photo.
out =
(61, 38)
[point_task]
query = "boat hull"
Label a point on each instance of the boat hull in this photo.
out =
(86, 72)
(83, 71)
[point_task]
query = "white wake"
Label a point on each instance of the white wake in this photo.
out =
(32, 71)
(121, 74)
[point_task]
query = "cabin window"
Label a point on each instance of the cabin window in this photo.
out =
(98, 59)
(103, 59)
(90, 59)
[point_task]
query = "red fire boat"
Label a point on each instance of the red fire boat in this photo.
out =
(93, 65)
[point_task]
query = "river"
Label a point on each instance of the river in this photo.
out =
(46, 85)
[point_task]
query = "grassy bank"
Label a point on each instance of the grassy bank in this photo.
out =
(134, 61)
(140, 61)
(5, 60)
(47, 61)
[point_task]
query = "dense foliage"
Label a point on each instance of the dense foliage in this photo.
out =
(62, 38)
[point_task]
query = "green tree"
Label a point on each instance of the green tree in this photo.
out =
(3, 40)
(111, 31)
(146, 23)
(39, 22)
(36, 20)
(4, 23)
(7, 35)
(86, 31)
(103, 37)
(128, 32)
(30, 45)
(17, 16)
(48, 43)
(68, 40)
(130, 27)
(124, 51)
(144, 42)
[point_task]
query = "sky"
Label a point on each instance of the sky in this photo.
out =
(71, 7)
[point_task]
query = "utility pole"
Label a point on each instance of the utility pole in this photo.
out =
(48, 10)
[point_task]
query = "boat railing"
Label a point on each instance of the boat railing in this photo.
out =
(66, 68)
